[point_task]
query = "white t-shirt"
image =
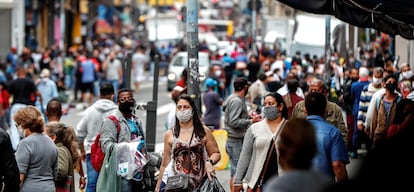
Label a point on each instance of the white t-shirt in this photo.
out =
(112, 70)
(138, 64)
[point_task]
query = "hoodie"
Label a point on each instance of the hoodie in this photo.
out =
(91, 122)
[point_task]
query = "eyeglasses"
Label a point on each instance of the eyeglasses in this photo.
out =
(182, 107)
(125, 99)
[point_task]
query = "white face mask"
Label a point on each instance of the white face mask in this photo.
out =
(184, 115)
(217, 73)
(376, 81)
(22, 132)
(407, 74)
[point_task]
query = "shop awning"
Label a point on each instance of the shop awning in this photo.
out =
(392, 17)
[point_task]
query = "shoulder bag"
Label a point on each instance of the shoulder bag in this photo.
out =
(259, 185)
(179, 182)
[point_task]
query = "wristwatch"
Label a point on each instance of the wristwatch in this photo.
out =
(211, 161)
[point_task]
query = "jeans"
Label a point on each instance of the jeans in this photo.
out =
(114, 83)
(233, 149)
(92, 175)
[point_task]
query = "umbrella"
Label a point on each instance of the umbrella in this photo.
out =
(392, 17)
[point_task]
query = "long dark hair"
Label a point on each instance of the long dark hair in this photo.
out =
(198, 126)
(66, 135)
(279, 100)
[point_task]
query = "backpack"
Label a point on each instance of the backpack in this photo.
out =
(97, 155)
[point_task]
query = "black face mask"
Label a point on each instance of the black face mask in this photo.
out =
(126, 107)
(391, 87)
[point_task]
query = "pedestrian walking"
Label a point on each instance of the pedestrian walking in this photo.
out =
(36, 154)
(68, 156)
(236, 122)
(24, 93)
(258, 159)
(9, 172)
(54, 113)
(297, 148)
(130, 132)
(189, 148)
(87, 129)
(332, 155)
(212, 102)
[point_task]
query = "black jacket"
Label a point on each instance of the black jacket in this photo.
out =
(9, 173)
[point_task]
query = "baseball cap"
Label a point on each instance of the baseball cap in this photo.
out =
(210, 82)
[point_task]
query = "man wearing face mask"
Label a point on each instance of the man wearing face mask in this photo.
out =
(47, 88)
(216, 75)
(405, 80)
(236, 121)
(373, 104)
(130, 131)
(365, 98)
(384, 111)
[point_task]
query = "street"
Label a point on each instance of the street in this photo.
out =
(163, 107)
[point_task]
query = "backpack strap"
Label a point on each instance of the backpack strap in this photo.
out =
(118, 126)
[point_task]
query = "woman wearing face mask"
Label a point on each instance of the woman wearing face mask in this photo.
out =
(384, 111)
(258, 141)
(188, 131)
(36, 154)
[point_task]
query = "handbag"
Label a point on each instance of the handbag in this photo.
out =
(177, 183)
(108, 179)
(259, 185)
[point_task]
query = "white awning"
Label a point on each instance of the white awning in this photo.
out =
(6, 4)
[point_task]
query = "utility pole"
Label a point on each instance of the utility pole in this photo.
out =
(254, 18)
(156, 21)
(62, 27)
(151, 108)
(193, 81)
(327, 47)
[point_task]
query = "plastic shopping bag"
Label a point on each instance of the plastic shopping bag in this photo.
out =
(211, 186)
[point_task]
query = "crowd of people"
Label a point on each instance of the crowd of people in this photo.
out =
(287, 120)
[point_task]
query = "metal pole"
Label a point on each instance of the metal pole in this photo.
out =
(192, 50)
(151, 129)
(127, 70)
(347, 39)
(327, 47)
(356, 54)
(254, 17)
(62, 26)
(156, 21)
(156, 74)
